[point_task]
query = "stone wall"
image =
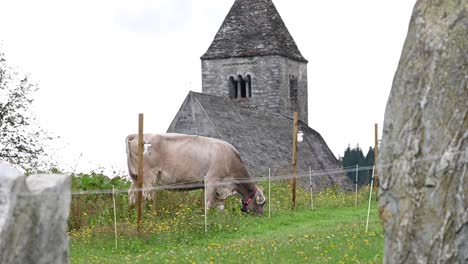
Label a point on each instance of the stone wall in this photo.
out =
(33, 217)
(424, 153)
(270, 81)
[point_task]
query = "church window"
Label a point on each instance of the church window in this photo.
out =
(240, 87)
(232, 87)
(243, 88)
(249, 86)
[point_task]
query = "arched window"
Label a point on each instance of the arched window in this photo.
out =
(242, 86)
(232, 87)
(249, 86)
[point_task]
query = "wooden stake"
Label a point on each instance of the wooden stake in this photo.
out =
(294, 159)
(269, 193)
(370, 198)
(140, 171)
(376, 154)
(311, 190)
(357, 179)
(115, 216)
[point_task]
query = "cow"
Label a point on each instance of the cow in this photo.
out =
(183, 162)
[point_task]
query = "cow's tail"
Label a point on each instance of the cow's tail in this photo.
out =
(131, 192)
(128, 141)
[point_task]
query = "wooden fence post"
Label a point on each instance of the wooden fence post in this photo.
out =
(357, 180)
(140, 171)
(370, 198)
(294, 159)
(311, 190)
(269, 192)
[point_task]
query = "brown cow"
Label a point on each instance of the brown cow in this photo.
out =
(182, 162)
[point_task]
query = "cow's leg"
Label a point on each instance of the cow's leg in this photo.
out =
(147, 192)
(222, 194)
(131, 200)
(210, 199)
(220, 204)
(220, 200)
(210, 195)
(132, 195)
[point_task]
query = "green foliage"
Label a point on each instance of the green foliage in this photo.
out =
(173, 227)
(95, 208)
(333, 232)
(355, 156)
(370, 157)
(96, 181)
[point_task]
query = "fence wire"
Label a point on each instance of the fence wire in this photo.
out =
(96, 211)
(313, 174)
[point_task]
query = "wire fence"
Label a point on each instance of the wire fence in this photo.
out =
(108, 211)
(185, 213)
(311, 174)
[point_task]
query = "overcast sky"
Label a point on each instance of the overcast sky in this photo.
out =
(99, 63)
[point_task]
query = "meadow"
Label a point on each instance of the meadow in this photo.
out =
(333, 231)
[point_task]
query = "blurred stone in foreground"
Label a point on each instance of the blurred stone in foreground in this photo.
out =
(423, 158)
(33, 217)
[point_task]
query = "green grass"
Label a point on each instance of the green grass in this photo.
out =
(328, 234)
(173, 229)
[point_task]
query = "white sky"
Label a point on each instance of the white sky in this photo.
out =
(99, 63)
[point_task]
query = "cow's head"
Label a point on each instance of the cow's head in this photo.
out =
(254, 203)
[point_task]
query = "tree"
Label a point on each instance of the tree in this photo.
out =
(370, 157)
(22, 141)
(355, 156)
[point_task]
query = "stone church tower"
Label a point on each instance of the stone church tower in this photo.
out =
(253, 79)
(254, 61)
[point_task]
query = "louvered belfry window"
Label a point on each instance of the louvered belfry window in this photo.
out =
(240, 87)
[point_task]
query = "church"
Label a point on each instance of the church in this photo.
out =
(253, 79)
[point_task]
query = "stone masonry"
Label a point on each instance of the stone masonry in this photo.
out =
(270, 86)
(253, 41)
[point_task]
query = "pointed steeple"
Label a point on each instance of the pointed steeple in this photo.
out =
(253, 28)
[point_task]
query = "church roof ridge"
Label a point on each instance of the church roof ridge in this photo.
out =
(253, 28)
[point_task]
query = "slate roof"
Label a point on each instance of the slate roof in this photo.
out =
(253, 28)
(264, 140)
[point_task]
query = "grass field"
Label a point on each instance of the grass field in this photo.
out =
(327, 234)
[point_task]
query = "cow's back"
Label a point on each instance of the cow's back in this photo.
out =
(178, 158)
(195, 156)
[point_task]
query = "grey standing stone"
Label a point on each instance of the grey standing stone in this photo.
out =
(423, 158)
(33, 217)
